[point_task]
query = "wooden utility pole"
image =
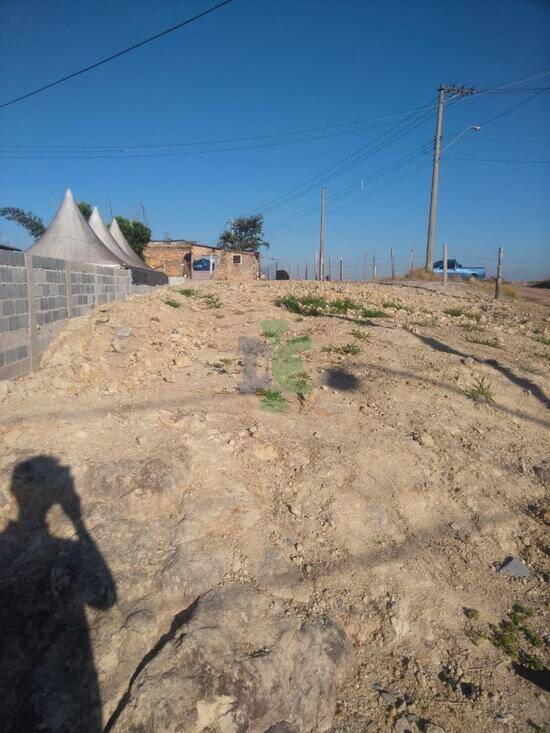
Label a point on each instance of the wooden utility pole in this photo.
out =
(445, 271)
(305, 276)
(411, 261)
(498, 281)
(322, 235)
(341, 269)
(457, 92)
(392, 263)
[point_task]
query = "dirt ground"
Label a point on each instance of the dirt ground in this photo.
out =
(387, 499)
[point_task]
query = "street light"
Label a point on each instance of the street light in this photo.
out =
(438, 152)
(472, 128)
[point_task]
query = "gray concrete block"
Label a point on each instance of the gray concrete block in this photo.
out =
(12, 258)
(8, 307)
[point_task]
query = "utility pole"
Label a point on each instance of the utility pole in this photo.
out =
(329, 268)
(322, 235)
(366, 268)
(316, 265)
(341, 269)
(411, 261)
(392, 263)
(373, 265)
(305, 276)
(442, 91)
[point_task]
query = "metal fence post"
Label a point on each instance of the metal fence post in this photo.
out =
(498, 281)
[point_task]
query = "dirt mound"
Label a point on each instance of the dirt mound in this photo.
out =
(331, 547)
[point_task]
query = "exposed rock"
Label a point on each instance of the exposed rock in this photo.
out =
(124, 332)
(516, 567)
(236, 662)
(542, 472)
(425, 439)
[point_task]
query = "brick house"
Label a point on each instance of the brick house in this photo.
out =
(179, 257)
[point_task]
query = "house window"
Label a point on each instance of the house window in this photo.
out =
(237, 259)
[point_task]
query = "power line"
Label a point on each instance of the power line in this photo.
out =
(500, 160)
(38, 155)
(117, 55)
(345, 163)
(515, 106)
(221, 141)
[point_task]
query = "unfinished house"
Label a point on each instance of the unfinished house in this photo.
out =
(179, 258)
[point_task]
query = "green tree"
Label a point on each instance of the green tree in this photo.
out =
(85, 209)
(32, 223)
(136, 233)
(245, 235)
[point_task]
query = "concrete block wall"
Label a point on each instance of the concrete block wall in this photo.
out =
(14, 315)
(38, 295)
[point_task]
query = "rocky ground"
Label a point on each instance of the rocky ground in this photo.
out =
(207, 559)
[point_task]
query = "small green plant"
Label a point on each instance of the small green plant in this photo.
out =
(187, 292)
(372, 313)
(360, 335)
(396, 305)
(506, 636)
(491, 341)
(343, 305)
(172, 303)
(226, 361)
(481, 391)
(472, 327)
(345, 349)
(543, 340)
(273, 400)
(287, 365)
(456, 312)
(212, 301)
(306, 305)
(471, 613)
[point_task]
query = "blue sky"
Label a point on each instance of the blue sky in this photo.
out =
(263, 67)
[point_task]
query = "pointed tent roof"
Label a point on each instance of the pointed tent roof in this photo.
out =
(122, 242)
(98, 226)
(70, 238)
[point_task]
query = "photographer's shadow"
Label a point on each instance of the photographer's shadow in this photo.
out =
(48, 680)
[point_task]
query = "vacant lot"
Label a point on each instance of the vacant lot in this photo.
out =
(324, 555)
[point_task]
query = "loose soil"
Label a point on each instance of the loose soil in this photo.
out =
(386, 500)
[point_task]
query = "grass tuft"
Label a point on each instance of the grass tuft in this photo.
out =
(173, 303)
(396, 305)
(368, 313)
(345, 349)
(491, 341)
(456, 312)
(187, 292)
(360, 335)
(273, 400)
(481, 391)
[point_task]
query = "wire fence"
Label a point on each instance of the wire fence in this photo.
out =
(378, 264)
